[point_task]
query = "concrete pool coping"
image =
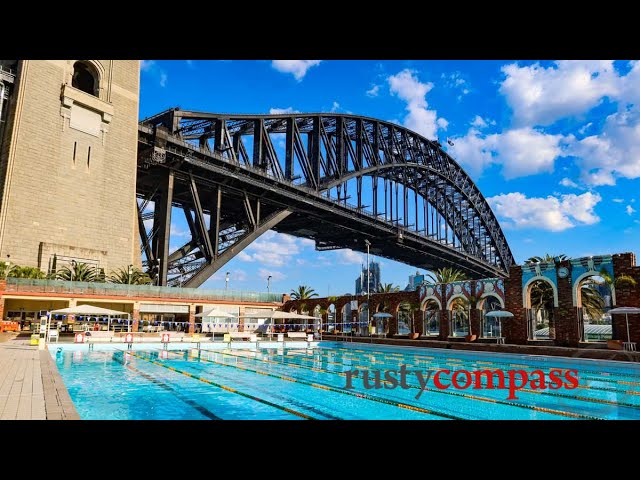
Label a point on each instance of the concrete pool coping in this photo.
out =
(551, 351)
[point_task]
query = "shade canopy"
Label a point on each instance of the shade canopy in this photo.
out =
(382, 315)
(627, 310)
(278, 315)
(87, 310)
(216, 313)
(499, 313)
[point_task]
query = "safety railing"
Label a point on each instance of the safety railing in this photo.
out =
(149, 291)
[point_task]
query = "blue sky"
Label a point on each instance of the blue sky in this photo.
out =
(553, 145)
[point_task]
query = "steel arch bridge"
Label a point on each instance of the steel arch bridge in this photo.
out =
(337, 179)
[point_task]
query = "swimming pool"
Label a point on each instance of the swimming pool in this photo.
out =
(148, 382)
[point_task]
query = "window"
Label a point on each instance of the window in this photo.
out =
(85, 78)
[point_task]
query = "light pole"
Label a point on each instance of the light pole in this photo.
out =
(158, 271)
(368, 244)
(269, 284)
(226, 281)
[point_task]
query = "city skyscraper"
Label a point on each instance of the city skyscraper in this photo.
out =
(374, 278)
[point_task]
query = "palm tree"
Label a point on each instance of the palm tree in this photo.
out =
(621, 281)
(387, 288)
(410, 308)
(546, 259)
(459, 308)
(303, 293)
(446, 275)
(131, 276)
(25, 272)
(592, 302)
(78, 272)
(4, 270)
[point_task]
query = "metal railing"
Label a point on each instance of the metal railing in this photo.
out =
(123, 290)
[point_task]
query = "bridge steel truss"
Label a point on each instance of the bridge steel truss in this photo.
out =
(237, 176)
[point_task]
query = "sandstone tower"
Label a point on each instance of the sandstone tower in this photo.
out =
(68, 140)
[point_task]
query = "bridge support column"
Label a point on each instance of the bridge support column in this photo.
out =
(163, 217)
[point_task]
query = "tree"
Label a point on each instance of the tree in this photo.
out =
(621, 281)
(303, 293)
(4, 270)
(446, 275)
(592, 302)
(130, 276)
(410, 308)
(387, 288)
(25, 272)
(546, 259)
(460, 310)
(78, 272)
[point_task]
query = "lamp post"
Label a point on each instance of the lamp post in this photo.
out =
(226, 281)
(368, 244)
(269, 284)
(158, 260)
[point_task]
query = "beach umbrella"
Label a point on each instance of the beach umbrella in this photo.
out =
(627, 311)
(499, 314)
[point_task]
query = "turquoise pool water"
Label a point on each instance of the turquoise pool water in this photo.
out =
(110, 382)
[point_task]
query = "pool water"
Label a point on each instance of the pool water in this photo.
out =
(214, 383)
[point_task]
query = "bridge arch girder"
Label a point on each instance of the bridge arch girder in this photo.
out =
(318, 152)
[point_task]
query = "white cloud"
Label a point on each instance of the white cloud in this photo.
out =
(348, 257)
(335, 107)
(618, 200)
(237, 275)
(275, 275)
(442, 123)
(521, 152)
(584, 128)
(176, 231)
(145, 65)
(612, 154)
(373, 91)
(282, 111)
(151, 67)
(540, 96)
(245, 257)
(274, 249)
(406, 86)
(567, 182)
(551, 213)
(630, 210)
(298, 68)
(478, 122)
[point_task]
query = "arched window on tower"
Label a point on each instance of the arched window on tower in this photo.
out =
(85, 78)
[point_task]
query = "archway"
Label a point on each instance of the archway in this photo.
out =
(431, 317)
(490, 326)
(347, 314)
(363, 320)
(331, 318)
(593, 299)
(459, 313)
(404, 318)
(540, 298)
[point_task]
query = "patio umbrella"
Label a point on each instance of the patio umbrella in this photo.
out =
(499, 314)
(626, 311)
(382, 315)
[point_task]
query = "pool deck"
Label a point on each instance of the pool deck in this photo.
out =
(30, 386)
